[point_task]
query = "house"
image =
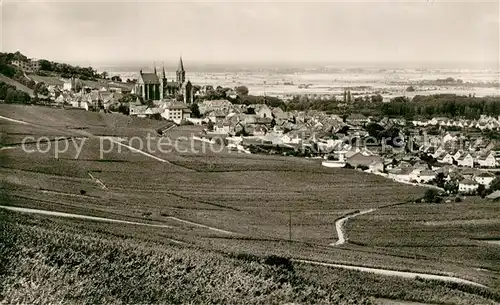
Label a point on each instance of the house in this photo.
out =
(402, 175)
(176, 111)
(214, 105)
(376, 167)
(485, 179)
(360, 159)
(357, 119)
(216, 115)
(467, 186)
(487, 161)
(262, 111)
(222, 127)
(259, 130)
(426, 176)
(445, 158)
(466, 160)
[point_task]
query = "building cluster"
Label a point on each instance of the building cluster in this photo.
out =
(461, 159)
(30, 65)
(483, 123)
(88, 95)
(163, 99)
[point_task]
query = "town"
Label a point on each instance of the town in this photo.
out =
(455, 155)
(236, 152)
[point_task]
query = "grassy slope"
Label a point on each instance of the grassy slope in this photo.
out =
(17, 84)
(56, 260)
(436, 232)
(199, 187)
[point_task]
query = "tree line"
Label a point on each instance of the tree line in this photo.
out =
(448, 105)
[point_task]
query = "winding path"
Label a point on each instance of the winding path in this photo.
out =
(388, 272)
(200, 225)
(340, 226)
(136, 150)
(78, 216)
(14, 120)
(385, 272)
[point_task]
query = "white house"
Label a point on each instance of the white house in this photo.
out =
(485, 179)
(263, 111)
(446, 159)
(426, 176)
(487, 161)
(467, 186)
(176, 111)
(466, 161)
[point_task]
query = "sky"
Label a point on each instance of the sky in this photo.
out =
(97, 33)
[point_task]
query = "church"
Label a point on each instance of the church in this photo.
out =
(150, 86)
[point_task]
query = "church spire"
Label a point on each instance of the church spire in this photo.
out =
(180, 68)
(154, 64)
(164, 75)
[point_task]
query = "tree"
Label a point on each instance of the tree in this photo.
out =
(482, 191)
(495, 184)
(440, 179)
(241, 90)
(432, 195)
(104, 75)
(195, 110)
(116, 78)
(11, 96)
(451, 187)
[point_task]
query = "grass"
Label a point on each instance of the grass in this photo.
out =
(56, 260)
(251, 195)
(448, 233)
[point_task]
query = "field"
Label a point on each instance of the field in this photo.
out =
(246, 205)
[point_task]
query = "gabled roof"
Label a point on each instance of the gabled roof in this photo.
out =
(486, 175)
(357, 116)
(468, 182)
(427, 173)
(150, 78)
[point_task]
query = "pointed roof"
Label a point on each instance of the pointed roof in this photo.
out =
(181, 65)
(164, 75)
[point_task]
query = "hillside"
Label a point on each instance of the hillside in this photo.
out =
(197, 214)
(17, 84)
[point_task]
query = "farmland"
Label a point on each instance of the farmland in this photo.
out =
(220, 203)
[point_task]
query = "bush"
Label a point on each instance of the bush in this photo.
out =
(458, 199)
(83, 192)
(279, 261)
(432, 195)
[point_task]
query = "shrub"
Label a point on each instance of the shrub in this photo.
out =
(83, 192)
(279, 261)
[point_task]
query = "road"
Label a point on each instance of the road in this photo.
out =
(78, 216)
(385, 272)
(340, 227)
(388, 272)
(136, 150)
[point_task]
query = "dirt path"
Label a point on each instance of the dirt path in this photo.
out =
(340, 227)
(201, 225)
(14, 120)
(114, 140)
(388, 272)
(101, 184)
(78, 216)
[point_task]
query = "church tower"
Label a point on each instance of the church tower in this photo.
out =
(163, 83)
(181, 74)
